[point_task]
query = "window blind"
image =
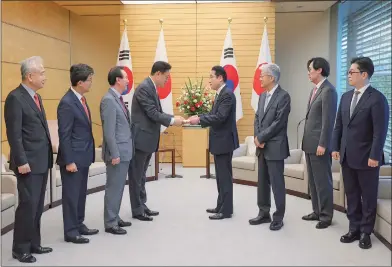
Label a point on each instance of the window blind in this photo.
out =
(367, 32)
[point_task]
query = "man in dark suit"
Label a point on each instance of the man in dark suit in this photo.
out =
(147, 117)
(30, 159)
(76, 153)
(317, 139)
(358, 140)
(223, 140)
(270, 131)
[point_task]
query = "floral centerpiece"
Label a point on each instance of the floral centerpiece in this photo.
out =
(195, 98)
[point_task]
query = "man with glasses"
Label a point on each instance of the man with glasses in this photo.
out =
(358, 141)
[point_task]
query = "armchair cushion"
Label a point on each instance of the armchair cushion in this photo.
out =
(245, 162)
(295, 157)
(97, 168)
(294, 170)
(251, 147)
(239, 152)
(384, 209)
(335, 166)
(7, 200)
(336, 180)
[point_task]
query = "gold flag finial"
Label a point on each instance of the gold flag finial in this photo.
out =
(229, 20)
(125, 22)
(161, 22)
(265, 20)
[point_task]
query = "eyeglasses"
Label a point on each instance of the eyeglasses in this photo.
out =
(350, 72)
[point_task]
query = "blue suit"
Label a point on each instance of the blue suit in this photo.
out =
(357, 139)
(76, 146)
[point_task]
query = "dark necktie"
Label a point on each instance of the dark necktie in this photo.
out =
(354, 102)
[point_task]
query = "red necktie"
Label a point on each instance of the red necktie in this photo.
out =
(36, 100)
(85, 107)
(314, 93)
(123, 105)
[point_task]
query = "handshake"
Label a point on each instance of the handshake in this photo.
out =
(179, 120)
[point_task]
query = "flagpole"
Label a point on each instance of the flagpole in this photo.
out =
(161, 22)
(125, 23)
(265, 20)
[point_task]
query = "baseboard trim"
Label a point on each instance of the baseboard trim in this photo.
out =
(383, 240)
(57, 203)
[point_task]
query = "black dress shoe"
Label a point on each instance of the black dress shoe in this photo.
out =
(350, 237)
(86, 231)
(212, 211)
(143, 217)
(311, 217)
(151, 212)
(365, 242)
(116, 230)
(24, 257)
(121, 223)
(41, 250)
(259, 220)
(219, 216)
(274, 226)
(322, 225)
(77, 239)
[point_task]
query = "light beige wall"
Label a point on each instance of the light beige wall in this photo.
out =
(194, 35)
(299, 37)
(61, 38)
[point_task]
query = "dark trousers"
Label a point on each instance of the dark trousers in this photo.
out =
(137, 181)
(224, 180)
(74, 191)
(27, 225)
(320, 185)
(361, 188)
(271, 174)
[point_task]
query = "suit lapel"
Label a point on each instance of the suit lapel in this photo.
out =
(272, 100)
(366, 95)
(155, 93)
(80, 107)
(318, 92)
(119, 103)
(262, 103)
(41, 114)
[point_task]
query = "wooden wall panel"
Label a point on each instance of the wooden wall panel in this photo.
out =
(95, 41)
(180, 36)
(19, 43)
(194, 35)
(36, 16)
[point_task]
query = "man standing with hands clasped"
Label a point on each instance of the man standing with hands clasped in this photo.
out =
(117, 148)
(270, 131)
(223, 138)
(358, 141)
(317, 139)
(147, 118)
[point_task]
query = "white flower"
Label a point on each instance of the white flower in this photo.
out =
(204, 99)
(194, 100)
(188, 107)
(193, 91)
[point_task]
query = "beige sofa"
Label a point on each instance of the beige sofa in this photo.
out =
(96, 176)
(339, 197)
(296, 172)
(9, 199)
(244, 162)
(383, 219)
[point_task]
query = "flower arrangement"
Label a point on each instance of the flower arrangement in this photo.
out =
(195, 98)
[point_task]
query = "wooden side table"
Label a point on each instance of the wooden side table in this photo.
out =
(208, 174)
(173, 162)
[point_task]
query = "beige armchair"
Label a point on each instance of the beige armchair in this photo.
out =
(383, 218)
(296, 173)
(244, 162)
(9, 199)
(339, 198)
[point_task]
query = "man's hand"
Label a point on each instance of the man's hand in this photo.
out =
(194, 120)
(178, 120)
(257, 143)
(262, 145)
(71, 167)
(372, 163)
(336, 155)
(116, 161)
(24, 169)
(320, 151)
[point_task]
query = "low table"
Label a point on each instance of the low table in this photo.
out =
(173, 162)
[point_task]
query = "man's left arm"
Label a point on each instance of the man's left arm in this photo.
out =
(380, 119)
(329, 105)
(279, 122)
(221, 115)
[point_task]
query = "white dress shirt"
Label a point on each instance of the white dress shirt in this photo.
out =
(269, 96)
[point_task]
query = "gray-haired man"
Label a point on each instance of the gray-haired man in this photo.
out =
(270, 131)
